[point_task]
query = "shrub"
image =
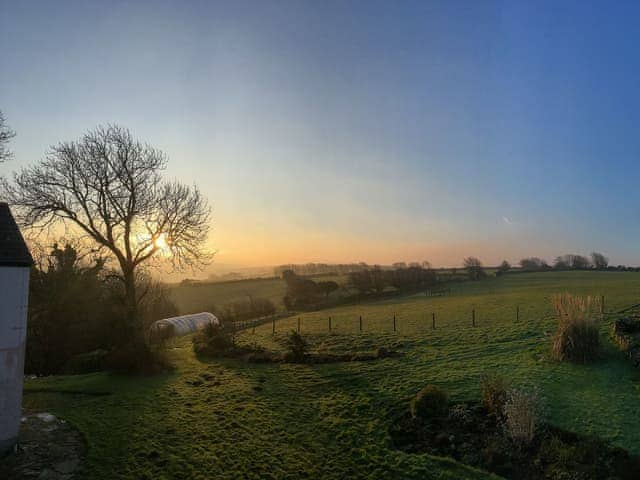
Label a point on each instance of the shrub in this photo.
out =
(213, 340)
(578, 336)
(431, 401)
(522, 415)
(86, 362)
(494, 394)
(297, 347)
(137, 358)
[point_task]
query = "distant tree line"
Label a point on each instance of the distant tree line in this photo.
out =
(404, 278)
(570, 261)
(309, 269)
(305, 293)
(320, 268)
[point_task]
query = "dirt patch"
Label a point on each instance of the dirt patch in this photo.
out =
(48, 449)
(471, 436)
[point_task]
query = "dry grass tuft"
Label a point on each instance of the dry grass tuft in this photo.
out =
(523, 415)
(578, 335)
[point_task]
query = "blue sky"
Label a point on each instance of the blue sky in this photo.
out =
(355, 130)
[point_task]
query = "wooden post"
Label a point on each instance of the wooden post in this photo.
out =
(473, 317)
(517, 313)
(361, 323)
(298, 324)
(274, 325)
(602, 306)
(433, 321)
(329, 323)
(394, 323)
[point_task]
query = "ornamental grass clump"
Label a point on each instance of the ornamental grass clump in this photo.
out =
(578, 336)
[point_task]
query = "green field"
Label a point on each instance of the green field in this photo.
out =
(204, 296)
(330, 421)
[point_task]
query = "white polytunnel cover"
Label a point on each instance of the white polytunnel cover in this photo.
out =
(185, 324)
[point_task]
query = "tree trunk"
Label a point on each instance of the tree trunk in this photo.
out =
(131, 303)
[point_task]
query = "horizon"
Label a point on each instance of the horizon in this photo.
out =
(372, 132)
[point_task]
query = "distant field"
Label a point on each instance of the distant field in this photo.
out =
(197, 297)
(330, 421)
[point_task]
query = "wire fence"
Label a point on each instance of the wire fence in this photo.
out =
(426, 320)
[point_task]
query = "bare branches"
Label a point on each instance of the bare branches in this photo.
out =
(109, 186)
(6, 134)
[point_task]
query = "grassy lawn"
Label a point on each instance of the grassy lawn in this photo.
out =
(330, 421)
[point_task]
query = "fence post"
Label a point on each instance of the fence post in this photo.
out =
(517, 313)
(473, 317)
(360, 323)
(433, 321)
(298, 324)
(274, 325)
(394, 323)
(602, 306)
(329, 323)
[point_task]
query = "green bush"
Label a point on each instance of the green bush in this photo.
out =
(494, 394)
(213, 340)
(431, 401)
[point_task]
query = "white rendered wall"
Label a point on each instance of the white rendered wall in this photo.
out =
(14, 296)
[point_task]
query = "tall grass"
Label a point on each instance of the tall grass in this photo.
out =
(578, 336)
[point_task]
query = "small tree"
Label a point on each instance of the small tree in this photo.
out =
(361, 281)
(599, 261)
(474, 268)
(533, 263)
(6, 134)
(328, 287)
(108, 188)
(297, 346)
(562, 262)
(504, 267)
(580, 262)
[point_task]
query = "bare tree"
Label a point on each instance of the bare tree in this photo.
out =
(474, 268)
(504, 267)
(6, 134)
(533, 263)
(109, 187)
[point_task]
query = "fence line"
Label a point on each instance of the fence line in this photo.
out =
(395, 319)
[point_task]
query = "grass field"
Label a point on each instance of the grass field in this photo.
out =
(330, 421)
(203, 296)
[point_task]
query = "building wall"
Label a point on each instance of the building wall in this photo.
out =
(14, 296)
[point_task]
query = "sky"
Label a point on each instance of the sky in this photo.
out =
(347, 131)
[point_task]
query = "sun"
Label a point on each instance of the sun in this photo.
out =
(161, 243)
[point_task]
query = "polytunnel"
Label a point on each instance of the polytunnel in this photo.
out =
(181, 325)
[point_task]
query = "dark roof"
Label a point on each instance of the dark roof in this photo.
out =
(13, 250)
